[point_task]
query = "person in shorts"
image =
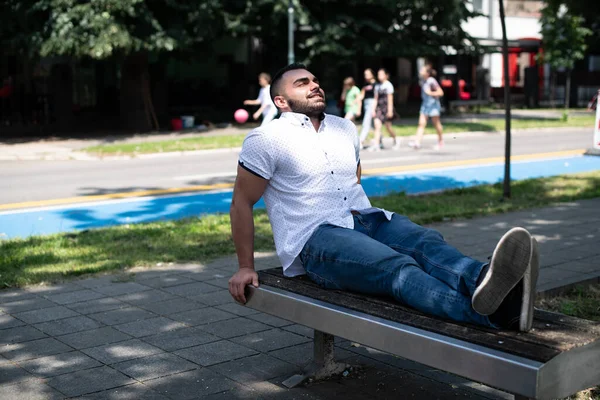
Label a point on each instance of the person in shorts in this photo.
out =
(431, 92)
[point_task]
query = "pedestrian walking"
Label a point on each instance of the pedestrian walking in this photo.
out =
(350, 93)
(366, 101)
(593, 102)
(431, 92)
(383, 111)
(267, 108)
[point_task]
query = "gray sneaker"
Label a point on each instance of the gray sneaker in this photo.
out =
(529, 288)
(508, 265)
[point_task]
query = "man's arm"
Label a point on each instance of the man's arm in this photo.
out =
(247, 191)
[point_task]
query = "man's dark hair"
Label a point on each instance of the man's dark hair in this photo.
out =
(276, 82)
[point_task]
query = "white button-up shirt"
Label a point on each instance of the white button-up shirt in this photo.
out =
(312, 179)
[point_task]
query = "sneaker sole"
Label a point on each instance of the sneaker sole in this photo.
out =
(529, 289)
(509, 263)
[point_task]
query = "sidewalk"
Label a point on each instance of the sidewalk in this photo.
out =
(173, 331)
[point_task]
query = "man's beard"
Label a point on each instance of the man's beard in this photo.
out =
(312, 110)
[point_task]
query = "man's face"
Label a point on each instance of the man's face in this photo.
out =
(301, 93)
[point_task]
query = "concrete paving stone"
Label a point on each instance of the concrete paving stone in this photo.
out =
(565, 281)
(302, 354)
(204, 275)
(180, 268)
(300, 330)
(215, 353)
(46, 290)
(237, 309)
(214, 298)
(45, 314)
(96, 306)
(194, 384)
(89, 381)
(122, 315)
(137, 391)
(147, 297)
(270, 340)
(59, 364)
(33, 349)
(260, 367)
(582, 267)
(6, 321)
(202, 316)
(270, 320)
(121, 288)
(142, 274)
(222, 283)
(68, 325)
(74, 297)
(180, 339)
(192, 289)
(166, 281)
(234, 327)
(32, 389)
(97, 282)
(19, 334)
(12, 295)
(171, 307)
(122, 351)
(555, 274)
(155, 366)
(150, 326)
(10, 373)
(94, 337)
(27, 304)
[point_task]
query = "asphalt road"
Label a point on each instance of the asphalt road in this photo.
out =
(22, 181)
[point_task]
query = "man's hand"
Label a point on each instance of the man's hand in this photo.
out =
(237, 283)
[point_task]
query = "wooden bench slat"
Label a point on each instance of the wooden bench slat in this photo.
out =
(542, 344)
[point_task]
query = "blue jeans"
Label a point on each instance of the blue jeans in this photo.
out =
(367, 121)
(396, 258)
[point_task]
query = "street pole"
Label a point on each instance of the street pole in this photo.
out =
(291, 56)
(507, 140)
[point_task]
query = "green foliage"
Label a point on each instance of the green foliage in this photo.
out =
(564, 36)
(101, 28)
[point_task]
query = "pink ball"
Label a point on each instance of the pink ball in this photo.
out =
(241, 116)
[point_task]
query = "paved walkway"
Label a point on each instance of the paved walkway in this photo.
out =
(173, 331)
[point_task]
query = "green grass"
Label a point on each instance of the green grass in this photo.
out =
(217, 142)
(54, 258)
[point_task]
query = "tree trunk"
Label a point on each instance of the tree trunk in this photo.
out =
(507, 143)
(553, 79)
(568, 90)
(135, 100)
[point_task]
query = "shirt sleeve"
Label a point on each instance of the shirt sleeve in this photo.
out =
(389, 87)
(256, 155)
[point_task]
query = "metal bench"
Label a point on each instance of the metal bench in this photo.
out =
(559, 357)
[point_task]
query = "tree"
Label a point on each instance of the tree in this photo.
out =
(563, 40)
(128, 30)
(345, 28)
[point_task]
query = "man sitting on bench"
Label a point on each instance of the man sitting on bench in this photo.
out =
(306, 166)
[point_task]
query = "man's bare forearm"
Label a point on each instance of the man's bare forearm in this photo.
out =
(242, 229)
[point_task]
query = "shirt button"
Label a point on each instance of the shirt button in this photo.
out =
(332, 172)
(344, 198)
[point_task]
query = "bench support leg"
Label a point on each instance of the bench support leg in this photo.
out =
(323, 365)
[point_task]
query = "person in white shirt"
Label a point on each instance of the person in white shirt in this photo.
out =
(267, 108)
(307, 168)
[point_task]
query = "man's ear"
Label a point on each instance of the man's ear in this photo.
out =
(280, 102)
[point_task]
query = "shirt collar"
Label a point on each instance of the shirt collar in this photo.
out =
(299, 119)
